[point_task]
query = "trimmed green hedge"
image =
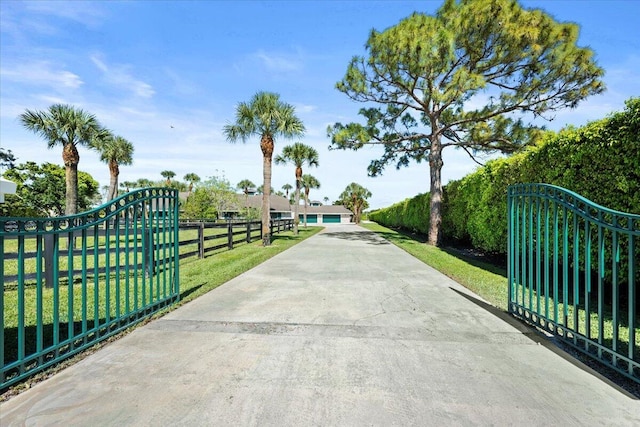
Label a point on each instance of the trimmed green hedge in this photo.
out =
(600, 161)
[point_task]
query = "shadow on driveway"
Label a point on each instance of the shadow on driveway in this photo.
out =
(369, 237)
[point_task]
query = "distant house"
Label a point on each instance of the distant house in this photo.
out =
(329, 214)
(279, 205)
(281, 209)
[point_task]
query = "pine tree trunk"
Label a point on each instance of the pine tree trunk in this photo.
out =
(435, 203)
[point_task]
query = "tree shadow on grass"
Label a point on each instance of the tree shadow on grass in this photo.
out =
(495, 263)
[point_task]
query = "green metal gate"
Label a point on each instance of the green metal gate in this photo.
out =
(69, 282)
(573, 269)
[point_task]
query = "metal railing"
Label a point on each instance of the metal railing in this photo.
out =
(70, 282)
(573, 269)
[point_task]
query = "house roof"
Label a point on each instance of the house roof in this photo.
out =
(277, 203)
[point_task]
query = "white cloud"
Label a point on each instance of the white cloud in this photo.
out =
(120, 76)
(301, 108)
(89, 14)
(181, 85)
(41, 73)
(48, 99)
(279, 61)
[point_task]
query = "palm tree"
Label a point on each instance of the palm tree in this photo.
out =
(298, 154)
(286, 188)
(245, 185)
(127, 185)
(355, 197)
(267, 117)
(191, 178)
(69, 127)
(114, 151)
(143, 183)
(168, 175)
(260, 190)
(308, 182)
(326, 199)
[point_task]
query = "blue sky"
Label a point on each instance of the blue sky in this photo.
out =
(167, 75)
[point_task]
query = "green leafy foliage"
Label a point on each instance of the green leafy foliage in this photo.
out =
(354, 197)
(7, 158)
(40, 191)
(211, 199)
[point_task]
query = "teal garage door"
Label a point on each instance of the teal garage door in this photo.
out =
(311, 219)
(331, 219)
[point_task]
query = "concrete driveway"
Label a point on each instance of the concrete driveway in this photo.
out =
(344, 329)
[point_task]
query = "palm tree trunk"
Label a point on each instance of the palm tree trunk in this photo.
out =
(435, 203)
(266, 145)
(71, 158)
(306, 198)
(114, 171)
(296, 220)
(296, 208)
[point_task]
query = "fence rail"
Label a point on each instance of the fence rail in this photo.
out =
(573, 270)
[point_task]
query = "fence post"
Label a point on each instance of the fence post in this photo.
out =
(248, 231)
(271, 227)
(230, 234)
(201, 240)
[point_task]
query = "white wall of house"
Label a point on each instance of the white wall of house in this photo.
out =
(6, 187)
(344, 218)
